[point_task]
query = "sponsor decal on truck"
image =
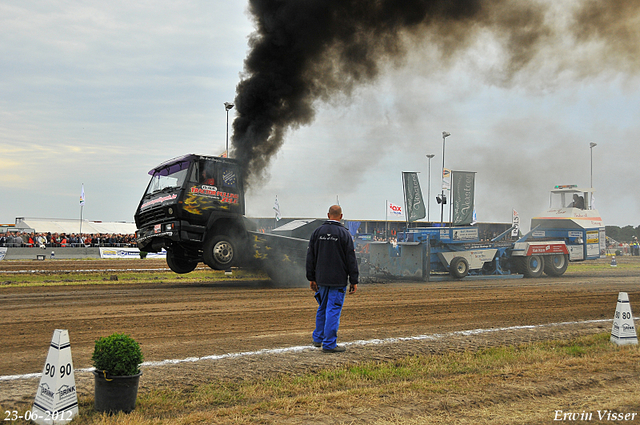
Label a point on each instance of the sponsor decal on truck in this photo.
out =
(552, 248)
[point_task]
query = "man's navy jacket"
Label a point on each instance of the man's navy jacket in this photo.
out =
(331, 257)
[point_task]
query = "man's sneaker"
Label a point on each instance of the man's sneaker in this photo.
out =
(317, 344)
(338, 349)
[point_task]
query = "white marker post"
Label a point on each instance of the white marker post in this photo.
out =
(56, 401)
(623, 331)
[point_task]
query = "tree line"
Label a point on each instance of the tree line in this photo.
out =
(623, 234)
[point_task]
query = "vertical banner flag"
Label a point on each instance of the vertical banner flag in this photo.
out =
(353, 227)
(415, 208)
(515, 222)
(82, 197)
(462, 197)
(276, 207)
(446, 179)
(394, 211)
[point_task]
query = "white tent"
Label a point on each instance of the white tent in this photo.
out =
(68, 226)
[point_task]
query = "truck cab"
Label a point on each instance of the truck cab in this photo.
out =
(572, 217)
(193, 208)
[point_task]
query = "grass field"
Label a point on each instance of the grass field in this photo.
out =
(531, 383)
(204, 274)
(123, 277)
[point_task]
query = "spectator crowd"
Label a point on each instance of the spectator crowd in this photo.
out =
(56, 240)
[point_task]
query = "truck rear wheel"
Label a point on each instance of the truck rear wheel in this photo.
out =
(532, 266)
(459, 267)
(220, 252)
(556, 265)
(179, 264)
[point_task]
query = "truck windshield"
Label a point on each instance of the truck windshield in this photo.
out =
(569, 199)
(169, 177)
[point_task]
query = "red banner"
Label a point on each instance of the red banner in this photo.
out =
(552, 248)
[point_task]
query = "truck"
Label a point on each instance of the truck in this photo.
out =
(194, 209)
(570, 230)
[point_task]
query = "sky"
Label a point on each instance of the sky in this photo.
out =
(95, 94)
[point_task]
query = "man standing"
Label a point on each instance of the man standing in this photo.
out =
(331, 262)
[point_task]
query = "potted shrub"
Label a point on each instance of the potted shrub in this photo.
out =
(117, 360)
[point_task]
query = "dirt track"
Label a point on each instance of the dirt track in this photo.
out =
(180, 320)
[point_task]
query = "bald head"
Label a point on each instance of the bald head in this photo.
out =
(335, 212)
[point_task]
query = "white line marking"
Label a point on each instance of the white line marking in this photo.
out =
(299, 348)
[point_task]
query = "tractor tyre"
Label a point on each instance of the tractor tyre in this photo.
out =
(459, 267)
(556, 265)
(532, 266)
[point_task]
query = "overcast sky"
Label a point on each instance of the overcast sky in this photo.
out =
(98, 93)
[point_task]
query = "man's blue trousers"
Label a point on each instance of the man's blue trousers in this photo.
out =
(330, 300)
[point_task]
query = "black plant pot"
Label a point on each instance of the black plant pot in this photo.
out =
(115, 393)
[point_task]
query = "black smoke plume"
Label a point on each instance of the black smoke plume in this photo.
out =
(304, 51)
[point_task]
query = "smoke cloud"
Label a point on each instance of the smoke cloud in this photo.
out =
(304, 52)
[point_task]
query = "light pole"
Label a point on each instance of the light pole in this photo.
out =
(591, 146)
(443, 198)
(227, 107)
(429, 187)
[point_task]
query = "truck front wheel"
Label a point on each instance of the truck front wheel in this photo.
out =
(179, 264)
(220, 252)
(556, 265)
(532, 266)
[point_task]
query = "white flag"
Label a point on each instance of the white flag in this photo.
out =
(446, 179)
(395, 211)
(82, 197)
(276, 207)
(515, 221)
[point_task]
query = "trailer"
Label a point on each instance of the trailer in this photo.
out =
(567, 231)
(570, 230)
